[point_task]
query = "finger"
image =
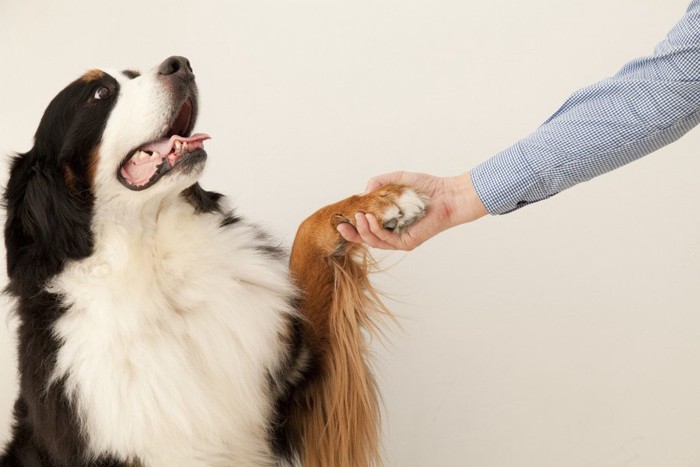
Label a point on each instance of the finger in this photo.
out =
(363, 228)
(372, 185)
(381, 180)
(348, 232)
(368, 237)
(406, 240)
(388, 237)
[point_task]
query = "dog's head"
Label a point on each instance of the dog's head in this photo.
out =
(118, 139)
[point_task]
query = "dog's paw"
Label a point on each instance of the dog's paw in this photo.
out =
(394, 206)
(406, 207)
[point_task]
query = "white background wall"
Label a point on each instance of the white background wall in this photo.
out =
(565, 334)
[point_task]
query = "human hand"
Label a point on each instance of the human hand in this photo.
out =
(452, 201)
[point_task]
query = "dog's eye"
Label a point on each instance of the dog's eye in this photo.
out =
(102, 93)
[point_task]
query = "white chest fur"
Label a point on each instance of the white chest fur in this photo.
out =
(169, 331)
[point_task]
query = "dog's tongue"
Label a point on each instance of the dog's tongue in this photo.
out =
(165, 146)
(139, 170)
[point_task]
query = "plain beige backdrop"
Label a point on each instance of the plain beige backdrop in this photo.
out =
(565, 334)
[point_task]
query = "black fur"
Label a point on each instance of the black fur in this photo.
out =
(48, 197)
(49, 204)
(207, 202)
(203, 201)
(131, 74)
(46, 431)
(285, 390)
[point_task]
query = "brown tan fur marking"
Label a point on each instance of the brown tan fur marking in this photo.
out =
(93, 75)
(92, 165)
(70, 177)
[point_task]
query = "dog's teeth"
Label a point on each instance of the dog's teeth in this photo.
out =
(178, 145)
(142, 154)
(184, 145)
(155, 154)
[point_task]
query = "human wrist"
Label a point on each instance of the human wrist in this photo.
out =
(467, 206)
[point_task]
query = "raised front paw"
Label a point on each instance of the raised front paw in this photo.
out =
(395, 206)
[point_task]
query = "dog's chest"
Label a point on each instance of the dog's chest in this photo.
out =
(168, 338)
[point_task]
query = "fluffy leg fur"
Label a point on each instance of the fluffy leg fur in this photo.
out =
(337, 416)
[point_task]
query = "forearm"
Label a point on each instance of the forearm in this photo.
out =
(651, 102)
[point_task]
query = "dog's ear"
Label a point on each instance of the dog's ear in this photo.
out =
(46, 222)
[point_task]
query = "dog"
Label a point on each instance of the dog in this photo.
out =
(157, 326)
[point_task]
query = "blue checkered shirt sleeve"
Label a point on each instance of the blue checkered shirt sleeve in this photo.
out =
(649, 103)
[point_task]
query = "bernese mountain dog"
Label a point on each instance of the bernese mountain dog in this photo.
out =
(158, 327)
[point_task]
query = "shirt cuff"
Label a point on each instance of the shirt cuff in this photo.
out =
(506, 182)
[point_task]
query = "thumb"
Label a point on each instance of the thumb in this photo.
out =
(381, 180)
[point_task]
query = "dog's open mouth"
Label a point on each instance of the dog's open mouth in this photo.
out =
(143, 167)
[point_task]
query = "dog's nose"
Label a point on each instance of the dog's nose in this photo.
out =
(176, 66)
